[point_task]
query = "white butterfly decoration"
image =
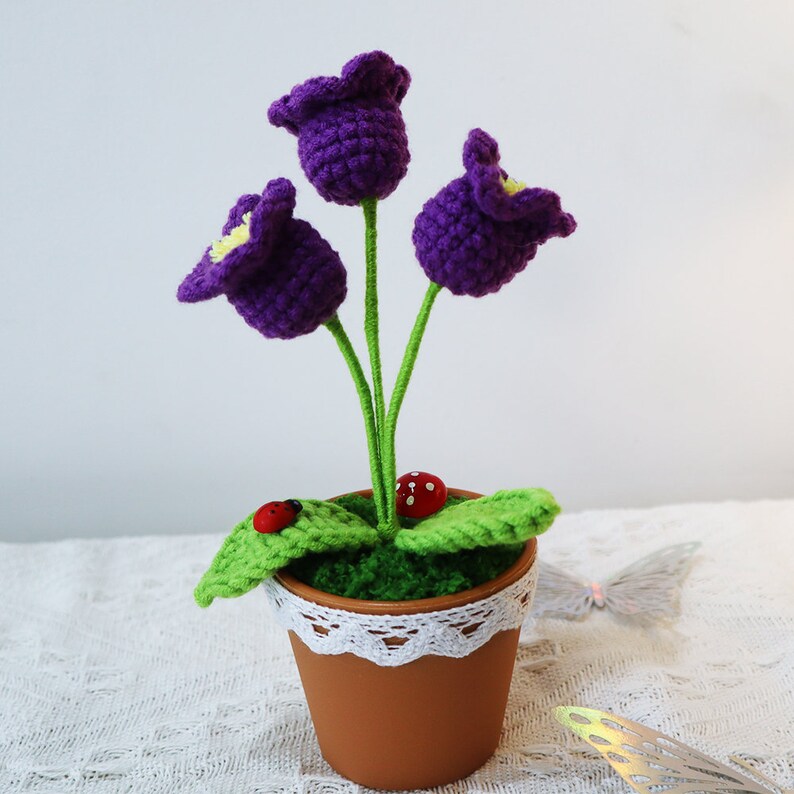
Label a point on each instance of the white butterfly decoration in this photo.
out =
(646, 589)
(649, 761)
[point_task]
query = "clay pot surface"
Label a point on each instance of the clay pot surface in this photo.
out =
(419, 725)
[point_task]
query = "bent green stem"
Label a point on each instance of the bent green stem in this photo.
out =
(371, 318)
(388, 456)
(334, 325)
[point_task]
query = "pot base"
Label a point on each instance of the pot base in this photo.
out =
(419, 725)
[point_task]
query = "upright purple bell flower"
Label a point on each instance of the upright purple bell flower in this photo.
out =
(351, 134)
(482, 229)
(283, 278)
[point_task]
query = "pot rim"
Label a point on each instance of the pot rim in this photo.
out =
(415, 606)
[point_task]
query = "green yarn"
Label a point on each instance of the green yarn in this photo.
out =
(335, 546)
(386, 573)
(362, 506)
(334, 325)
(505, 517)
(381, 426)
(371, 316)
(388, 456)
(247, 556)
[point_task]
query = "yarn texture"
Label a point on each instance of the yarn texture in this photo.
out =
(284, 278)
(506, 519)
(351, 135)
(503, 518)
(387, 573)
(477, 233)
(247, 556)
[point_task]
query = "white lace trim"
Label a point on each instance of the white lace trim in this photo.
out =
(393, 640)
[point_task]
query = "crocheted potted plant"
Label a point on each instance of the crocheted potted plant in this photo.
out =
(404, 601)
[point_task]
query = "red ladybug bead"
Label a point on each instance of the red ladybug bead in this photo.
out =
(420, 494)
(274, 516)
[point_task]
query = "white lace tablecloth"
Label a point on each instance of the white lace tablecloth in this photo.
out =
(112, 680)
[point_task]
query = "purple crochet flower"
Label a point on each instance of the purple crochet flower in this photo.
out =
(482, 229)
(351, 134)
(277, 271)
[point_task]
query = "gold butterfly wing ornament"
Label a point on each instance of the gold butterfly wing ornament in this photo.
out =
(647, 589)
(651, 762)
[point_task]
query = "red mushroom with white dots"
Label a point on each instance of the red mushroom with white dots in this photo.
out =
(420, 494)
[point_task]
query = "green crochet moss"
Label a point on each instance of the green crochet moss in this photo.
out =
(386, 573)
(465, 544)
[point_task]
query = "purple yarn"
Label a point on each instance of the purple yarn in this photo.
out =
(352, 143)
(285, 281)
(473, 236)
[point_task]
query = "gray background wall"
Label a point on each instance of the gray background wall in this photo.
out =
(645, 360)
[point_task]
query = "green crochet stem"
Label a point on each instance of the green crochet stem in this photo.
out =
(334, 325)
(381, 426)
(388, 456)
(371, 318)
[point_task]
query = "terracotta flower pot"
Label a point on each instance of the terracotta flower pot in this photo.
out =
(424, 723)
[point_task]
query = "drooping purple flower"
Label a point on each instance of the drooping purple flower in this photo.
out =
(482, 229)
(351, 134)
(283, 278)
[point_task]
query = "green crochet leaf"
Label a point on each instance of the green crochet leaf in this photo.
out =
(505, 517)
(247, 556)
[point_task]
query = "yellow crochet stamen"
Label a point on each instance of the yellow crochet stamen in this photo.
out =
(235, 238)
(511, 186)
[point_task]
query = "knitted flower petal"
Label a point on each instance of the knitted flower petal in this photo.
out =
(280, 274)
(372, 75)
(300, 287)
(487, 179)
(351, 135)
(482, 229)
(266, 216)
(245, 204)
